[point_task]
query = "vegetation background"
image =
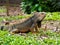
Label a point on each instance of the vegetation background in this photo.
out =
(48, 37)
(41, 5)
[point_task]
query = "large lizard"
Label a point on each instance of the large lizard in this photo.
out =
(28, 25)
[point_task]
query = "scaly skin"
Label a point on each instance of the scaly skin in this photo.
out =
(30, 24)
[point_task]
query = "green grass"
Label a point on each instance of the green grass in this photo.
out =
(30, 39)
(49, 16)
(14, 17)
(2, 10)
(53, 16)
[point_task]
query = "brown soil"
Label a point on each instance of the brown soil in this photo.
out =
(51, 25)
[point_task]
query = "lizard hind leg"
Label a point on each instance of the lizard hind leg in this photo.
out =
(15, 31)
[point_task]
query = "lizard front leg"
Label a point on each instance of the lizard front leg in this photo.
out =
(36, 28)
(32, 29)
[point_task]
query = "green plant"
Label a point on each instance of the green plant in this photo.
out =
(52, 16)
(40, 5)
(2, 10)
(30, 39)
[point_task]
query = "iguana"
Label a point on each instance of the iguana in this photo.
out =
(28, 25)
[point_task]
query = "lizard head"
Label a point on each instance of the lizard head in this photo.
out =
(40, 15)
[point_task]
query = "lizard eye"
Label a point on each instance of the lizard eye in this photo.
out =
(43, 13)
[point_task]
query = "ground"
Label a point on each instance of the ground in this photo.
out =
(51, 25)
(50, 36)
